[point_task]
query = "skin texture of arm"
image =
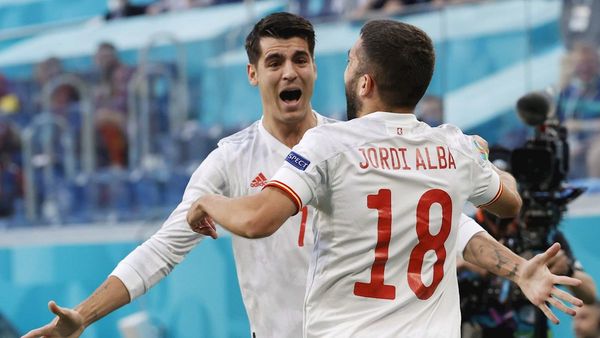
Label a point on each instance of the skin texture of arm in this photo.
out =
(69, 323)
(254, 216)
(532, 276)
(509, 202)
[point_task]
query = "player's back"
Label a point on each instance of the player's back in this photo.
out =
(384, 262)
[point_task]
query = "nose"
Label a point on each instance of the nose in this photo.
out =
(289, 72)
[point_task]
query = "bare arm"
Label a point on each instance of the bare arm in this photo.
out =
(532, 276)
(509, 202)
(254, 216)
(68, 323)
(108, 297)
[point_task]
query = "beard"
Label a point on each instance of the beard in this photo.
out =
(353, 104)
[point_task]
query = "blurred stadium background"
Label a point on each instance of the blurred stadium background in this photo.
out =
(81, 187)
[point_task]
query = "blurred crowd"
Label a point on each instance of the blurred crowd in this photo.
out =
(107, 85)
(308, 8)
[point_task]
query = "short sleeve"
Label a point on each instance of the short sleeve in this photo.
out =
(486, 184)
(303, 170)
(467, 228)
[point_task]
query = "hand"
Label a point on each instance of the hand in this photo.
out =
(538, 284)
(67, 324)
(200, 222)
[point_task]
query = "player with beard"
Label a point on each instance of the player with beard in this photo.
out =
(388, 192)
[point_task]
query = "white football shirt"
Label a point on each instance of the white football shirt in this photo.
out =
(271, 271)
(389, 191)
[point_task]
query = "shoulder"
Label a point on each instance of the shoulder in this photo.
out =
(324, 120)
(466, 145)
(241, 137)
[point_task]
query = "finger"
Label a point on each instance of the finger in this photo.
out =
(562, 307)
(213, 234)
(39, 332)
(565, 296)
(564, 280)
(207, 223)
(548, 313)
(206, 231)
(211, 222)
(551, 252)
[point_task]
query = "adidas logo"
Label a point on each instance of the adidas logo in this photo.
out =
(259, 181)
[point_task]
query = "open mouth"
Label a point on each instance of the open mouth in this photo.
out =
(290, 96)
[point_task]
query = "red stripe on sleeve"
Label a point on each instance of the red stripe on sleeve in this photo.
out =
(288, 191)
(495, 197)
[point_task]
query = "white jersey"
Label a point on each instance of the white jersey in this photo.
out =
(389, 191)
(271, 271)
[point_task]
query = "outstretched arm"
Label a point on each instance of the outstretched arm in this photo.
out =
(70, 323)
(254, 216)
(532, 276)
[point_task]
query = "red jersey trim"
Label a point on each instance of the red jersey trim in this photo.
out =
(288, 191)
(495, 197)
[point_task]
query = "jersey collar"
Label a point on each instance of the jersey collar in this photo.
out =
(275, 142)
(392, 117)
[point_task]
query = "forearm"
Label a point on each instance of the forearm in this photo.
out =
(489, 254)
(232, 214)
(253, 216)
(108, 297)
(587, 290)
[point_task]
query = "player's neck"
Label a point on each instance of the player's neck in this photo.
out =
(375, 106)
(290, 133)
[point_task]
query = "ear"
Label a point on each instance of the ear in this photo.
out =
(366, 85)
(315, 68)
(251, 70)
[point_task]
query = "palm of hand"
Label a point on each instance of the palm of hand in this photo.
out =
(67, 324)
(539, 285)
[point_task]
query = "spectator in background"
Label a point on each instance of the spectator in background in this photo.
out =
(392, 7)
(10, 171)
(586, 323)
(123, 8)
(580, 22)
(579, 107)
(163, 6)
(9, 102)
(431, 110)
(110, 102)
(45, 71)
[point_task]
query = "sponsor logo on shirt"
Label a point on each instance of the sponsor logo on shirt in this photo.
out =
(481, 148)
(259, 181)
(297, 161)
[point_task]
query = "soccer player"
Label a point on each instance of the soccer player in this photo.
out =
(388, 191)
(281, 63)
(280, 50)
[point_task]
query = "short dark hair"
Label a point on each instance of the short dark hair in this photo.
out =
(107, 45)
(401, 59)
(280, 25)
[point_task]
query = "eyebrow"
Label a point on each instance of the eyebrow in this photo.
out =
(273, 56)
(301, 52)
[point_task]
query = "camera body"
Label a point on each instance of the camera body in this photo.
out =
(541, 167)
